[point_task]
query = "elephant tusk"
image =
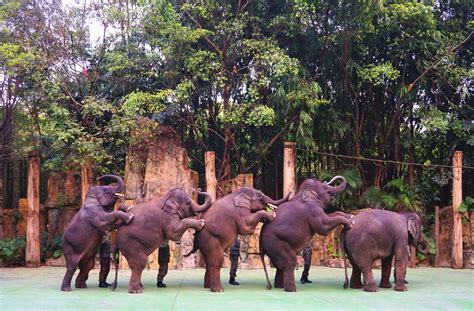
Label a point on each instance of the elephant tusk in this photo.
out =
(120, 195)
(272, 206)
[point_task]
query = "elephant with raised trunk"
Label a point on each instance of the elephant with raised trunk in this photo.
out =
(295, 224)
(234, 214)
(380, 234)
(155, 221)
(86, 230)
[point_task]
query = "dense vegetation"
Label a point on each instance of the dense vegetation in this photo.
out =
(381, 80)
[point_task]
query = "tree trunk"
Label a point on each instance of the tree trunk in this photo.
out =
(33, 250)
(224, 172)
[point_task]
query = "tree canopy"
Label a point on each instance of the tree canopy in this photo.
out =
(348, 81)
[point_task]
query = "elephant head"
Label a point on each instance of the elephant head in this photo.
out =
(254, 200)
(314, 190)
(176, 201)
(107, 195)
(415, 232)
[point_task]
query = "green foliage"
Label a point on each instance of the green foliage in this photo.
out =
(12, 251)
(379, 74)
(51, 249)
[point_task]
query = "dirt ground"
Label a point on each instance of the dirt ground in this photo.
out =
(428, 289)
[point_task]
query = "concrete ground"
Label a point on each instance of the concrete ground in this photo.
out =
(428, 289)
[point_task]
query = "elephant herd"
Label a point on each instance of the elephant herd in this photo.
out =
(289, 225)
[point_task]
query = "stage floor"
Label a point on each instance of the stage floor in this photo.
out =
(428, 289)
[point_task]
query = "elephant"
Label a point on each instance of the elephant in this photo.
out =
(234, 214)
(295, 224)
(155, 221)
(381, 234)
(87, 228)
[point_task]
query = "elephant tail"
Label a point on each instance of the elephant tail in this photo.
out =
(343, 251)
(115, 256)
(195, 246)
(262, 258)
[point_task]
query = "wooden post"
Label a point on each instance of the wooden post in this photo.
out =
(33, 250)
(211, 181)
(87, 177)
(436, 234)
(413, 258)
(289, 168)
(457, 198)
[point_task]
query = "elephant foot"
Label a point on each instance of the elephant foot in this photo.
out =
(217, 289)
(385, 285)
(136, 291)
(66, 288)
(206, 285)
(290, 289)
(355, 285)
(278, 285)
(81, 285)
(400, 288)
(202, 224)
(370, 288)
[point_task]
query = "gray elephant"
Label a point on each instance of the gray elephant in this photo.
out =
(155, 221)
(237, 213)
(380, 234)
(295, 224)
(87, 228)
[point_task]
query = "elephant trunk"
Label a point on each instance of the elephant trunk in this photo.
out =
(202, 208)
(120, 184)
(340, 187)
(423, 246)
(267, 200)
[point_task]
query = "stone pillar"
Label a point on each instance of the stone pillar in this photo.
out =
(33, 243)
(457, 255)
(289, 168)
(211, 181)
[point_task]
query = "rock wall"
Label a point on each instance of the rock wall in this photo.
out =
(446, 229)
(157, 163)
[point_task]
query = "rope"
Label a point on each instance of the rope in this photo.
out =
(385, 161)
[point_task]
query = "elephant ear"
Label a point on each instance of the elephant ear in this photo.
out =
(242, 200)
(309, 195)
(170, 206)
(412, 227)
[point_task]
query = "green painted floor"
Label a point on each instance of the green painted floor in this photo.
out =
(429, 289)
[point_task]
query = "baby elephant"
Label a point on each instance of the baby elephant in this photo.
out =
(380, 234)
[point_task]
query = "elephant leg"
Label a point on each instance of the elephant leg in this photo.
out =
(137, 264)
(400, 270)
(325, 224)
(369, 282)
(249, 223)
(279, 278)
(356, 281)
(289, 279)
(215, 266)
(207, 278)
(178, 229)
(105, 220)
(84, 267)
(71, 267)
(386, 270)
